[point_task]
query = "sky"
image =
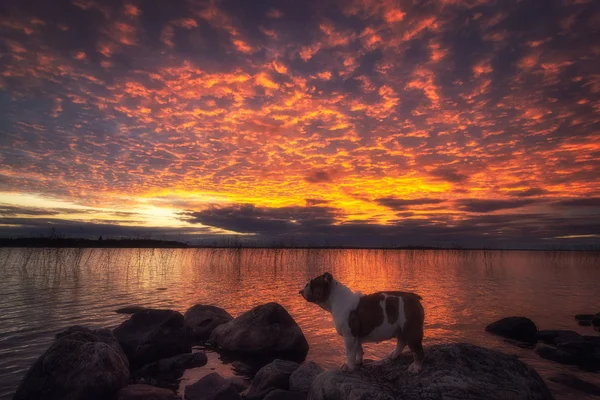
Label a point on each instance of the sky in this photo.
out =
(353, 122)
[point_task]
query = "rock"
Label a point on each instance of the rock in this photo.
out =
(596, 321)
(81, 364)
(585, 322)
(267, 331)
(554, 337)
(576, 383)
(173, 366)
(585, 354)
(591, 338)
(211, 387)
(130, 309)
(303, 377)
(451, 371)
(275, 375)
(151, 335)
(244, 369)
(240, 384)
(145, 392)
(517, 328)
(201, 320)
(279, 394)
(584, 317)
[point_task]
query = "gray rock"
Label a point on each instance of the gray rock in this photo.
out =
(145, 392)
(201, 320)
(585, 354)
(584, 317)
(453, 371)
(303, 377)
(275, 375)
(211, 387)
(576, 383)
(174, 365)
(81, 364)
(279, 394)
(151, 335)
(554, 337)
(240, 384)
(517, 328)
(591, 338)
(266, 331)
(130, 309)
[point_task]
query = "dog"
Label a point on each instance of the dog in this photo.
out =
(370, 318)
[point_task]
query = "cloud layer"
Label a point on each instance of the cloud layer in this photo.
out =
(461, 117)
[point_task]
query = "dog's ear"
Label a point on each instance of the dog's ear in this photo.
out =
(328, 277)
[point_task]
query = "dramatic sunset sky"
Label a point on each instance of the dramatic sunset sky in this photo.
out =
(362, 122)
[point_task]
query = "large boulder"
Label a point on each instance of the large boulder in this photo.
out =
(145, 392)
(555, 337)
(151, 335)
(516, 328)
(585, 354)
(130, 309)
(452, 371)
(212, 387)
(302, 378)
(275, 375)
(201, 320)
(267, 331)
(81, 364)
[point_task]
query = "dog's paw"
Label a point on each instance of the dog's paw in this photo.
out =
(347, 368)
(414, 368)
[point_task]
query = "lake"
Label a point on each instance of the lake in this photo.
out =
(46, 290)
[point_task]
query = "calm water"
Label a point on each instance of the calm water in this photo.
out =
(45, 290)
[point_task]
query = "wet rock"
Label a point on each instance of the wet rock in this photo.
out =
(173, 367)
(586, 322)
(201, 320)
(244, 369)
(81, 364)
(240, 384)
(130, 309)
(211, 387)
(303, 377)
(517, 328)
(267, 331)
(596, 321)
(275, 375)
(591, 338)
(453, 371)
(279, 394)
(151, 335)
(585, 354)
(576, 383)
(584, 317)
(555, 337)
(145, 392)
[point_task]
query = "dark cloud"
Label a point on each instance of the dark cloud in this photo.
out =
(582, 202)
(402, 204)
(449, 174)
(486, 206)
(530, 192)
(319, 177)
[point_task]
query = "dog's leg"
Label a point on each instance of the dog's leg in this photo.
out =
(350, 342)
(359, 354)
(414, 338)
(400, 344)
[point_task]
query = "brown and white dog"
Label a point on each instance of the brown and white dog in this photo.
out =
(370, 318)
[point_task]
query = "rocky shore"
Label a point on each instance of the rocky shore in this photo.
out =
(145, 357)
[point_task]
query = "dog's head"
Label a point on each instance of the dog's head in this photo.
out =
(318, 289)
